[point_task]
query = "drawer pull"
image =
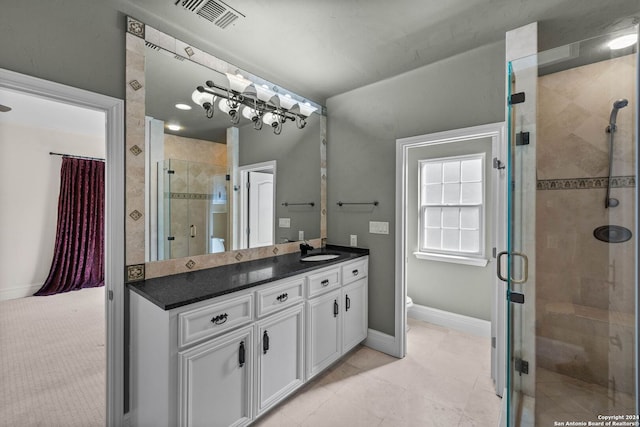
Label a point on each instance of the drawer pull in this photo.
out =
(325, 283)
(347, 303)
(283, 297)
(220, 319)
(355, 272)
(265, 342)
(241, 354)
(335, 308)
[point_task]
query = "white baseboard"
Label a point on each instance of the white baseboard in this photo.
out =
(458, 322)
(19, 292)
(381, 342)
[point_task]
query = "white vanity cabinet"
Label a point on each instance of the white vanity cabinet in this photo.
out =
(280, 357)
(227, 360)
(337, 320)
(216, 381)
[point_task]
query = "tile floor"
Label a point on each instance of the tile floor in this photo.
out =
(444, 381)
(563, 398)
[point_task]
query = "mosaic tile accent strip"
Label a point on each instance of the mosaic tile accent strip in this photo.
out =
(135, 150)
(135, 27)
(190, 264)
(189, 51)
(275, 251)
(135, 272)
(136, 215)
(239, 256)
(135, 85)
(192, 196)
(586, 183)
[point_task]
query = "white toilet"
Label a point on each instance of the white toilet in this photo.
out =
(217, 245)
(409, 302)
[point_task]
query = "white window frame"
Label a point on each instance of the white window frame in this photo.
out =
(476, 258)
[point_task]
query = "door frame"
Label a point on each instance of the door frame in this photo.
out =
(243, 195)
(496, 131)
(113, 109)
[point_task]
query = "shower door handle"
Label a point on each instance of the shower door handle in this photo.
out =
(525, 267)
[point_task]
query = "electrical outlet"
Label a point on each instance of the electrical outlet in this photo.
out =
(353, 240)
(284, 222)
(377, 227)
(301, 235)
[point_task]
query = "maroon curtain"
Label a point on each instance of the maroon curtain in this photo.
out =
(78, 258)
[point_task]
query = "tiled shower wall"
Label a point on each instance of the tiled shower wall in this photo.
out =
(191, 186)
(585, 287)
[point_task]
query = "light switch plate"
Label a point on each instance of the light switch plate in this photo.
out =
(378, 227)
(284, 222)
(353, 240)
(301, 235)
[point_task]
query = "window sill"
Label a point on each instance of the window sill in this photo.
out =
(456, 259)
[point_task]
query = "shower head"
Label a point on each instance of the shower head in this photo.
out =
(620, 103)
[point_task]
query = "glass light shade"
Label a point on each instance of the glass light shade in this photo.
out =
(248, 113)
(306, 109)
(224, 107)
(173, 127)
(264, 94)
(237, 83)
(182, 106)
(269, 118)
(623, 41)
(199, 98)
(286, 101)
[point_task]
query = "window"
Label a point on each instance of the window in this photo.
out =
(451, 220)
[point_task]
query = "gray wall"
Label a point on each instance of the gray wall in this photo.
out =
(77, 43)
(297, 155)
(363, 125)
(457, 288)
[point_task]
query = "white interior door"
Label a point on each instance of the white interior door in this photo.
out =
(260, 209)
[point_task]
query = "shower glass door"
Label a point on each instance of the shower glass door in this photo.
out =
(518, 262)
(571, 262)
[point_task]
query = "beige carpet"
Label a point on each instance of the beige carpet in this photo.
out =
(52, 360)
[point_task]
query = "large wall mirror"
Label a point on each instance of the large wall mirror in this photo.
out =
(202, 190)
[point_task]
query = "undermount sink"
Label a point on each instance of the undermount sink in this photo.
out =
(319, 257)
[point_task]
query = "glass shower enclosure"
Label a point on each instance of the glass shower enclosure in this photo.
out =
(572, 262)
(192, 209)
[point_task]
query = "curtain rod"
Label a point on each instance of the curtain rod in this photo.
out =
(76, 157)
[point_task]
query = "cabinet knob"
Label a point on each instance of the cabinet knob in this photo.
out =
(325, 283)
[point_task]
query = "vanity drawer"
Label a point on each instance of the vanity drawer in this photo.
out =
(210, 320)
(324, 281)
(284, 294)
(354, 271)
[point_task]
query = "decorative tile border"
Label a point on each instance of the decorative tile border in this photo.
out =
(191, 196)
(135, 272)
(586, 183)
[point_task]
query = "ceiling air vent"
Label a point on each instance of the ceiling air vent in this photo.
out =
(216, 11)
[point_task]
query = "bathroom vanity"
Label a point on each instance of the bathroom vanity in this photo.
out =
(222, 346)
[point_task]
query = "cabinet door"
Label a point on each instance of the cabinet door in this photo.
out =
(324, 332)
(355, 318)
(215, 381)
(280, 355)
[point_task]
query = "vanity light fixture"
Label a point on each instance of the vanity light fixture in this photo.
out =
(623, 41)
(254, 102)
(173, 127)
(183, 106)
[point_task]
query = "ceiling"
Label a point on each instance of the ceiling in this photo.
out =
(319, 49)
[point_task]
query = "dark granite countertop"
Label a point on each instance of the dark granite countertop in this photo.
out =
(177, 290)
